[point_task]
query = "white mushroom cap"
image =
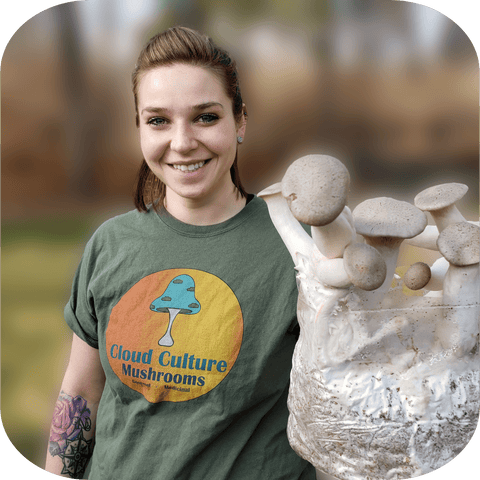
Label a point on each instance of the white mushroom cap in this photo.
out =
(365, 267)
(440, 196)
(417, 276)
(316, 188)
(387, 217)
(459, 243)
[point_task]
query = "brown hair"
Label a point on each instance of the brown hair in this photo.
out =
(183, 45)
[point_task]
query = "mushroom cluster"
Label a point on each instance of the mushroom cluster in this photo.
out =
(314, 191)
(385, 223)
(383, 385)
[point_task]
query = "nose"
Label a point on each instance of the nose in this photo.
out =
(183, 139)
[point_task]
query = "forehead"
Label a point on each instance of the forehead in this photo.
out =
(181, 82)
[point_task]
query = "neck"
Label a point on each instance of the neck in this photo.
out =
(204, 212)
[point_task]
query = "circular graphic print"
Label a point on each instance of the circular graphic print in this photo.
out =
(175, 335)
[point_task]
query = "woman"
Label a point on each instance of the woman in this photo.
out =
(183, 310)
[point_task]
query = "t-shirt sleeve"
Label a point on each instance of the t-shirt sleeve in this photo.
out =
(80, 311)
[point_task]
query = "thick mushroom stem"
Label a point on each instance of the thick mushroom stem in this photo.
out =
(329, 271)
(389, 248)
(440, 202)
(333, 238)
(438, 270)
(458, 331)
(428, 238)
(446, 216)
(459, 243)
(296, 239)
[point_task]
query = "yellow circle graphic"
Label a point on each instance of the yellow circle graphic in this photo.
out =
(175, 335)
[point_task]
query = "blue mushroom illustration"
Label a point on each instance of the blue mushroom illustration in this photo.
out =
(179, 297)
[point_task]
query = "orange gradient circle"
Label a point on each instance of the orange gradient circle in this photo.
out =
(198, 350)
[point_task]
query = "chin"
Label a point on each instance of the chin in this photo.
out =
(191, 194)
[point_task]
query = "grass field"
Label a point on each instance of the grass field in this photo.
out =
(39, 259)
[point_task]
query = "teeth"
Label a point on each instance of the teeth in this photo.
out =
(189, 168)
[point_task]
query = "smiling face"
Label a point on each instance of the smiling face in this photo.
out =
(188, 134)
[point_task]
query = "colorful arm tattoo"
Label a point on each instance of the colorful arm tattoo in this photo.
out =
(71, 418)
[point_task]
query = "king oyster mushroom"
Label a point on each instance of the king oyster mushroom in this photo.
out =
(459, 243)
(362, 267)
(440, 200)
(297, 240)
(384, 223)
(316, 188)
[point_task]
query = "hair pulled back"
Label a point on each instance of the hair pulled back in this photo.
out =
(183, 45)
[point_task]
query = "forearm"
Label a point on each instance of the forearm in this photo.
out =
(72, 435)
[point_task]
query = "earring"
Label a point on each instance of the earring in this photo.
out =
(239, 139)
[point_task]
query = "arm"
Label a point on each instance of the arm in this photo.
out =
(72, 434)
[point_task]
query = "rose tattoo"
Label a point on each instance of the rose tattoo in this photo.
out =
(71, 418)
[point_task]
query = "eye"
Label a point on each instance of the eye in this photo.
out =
(207, 118)
(156, 121)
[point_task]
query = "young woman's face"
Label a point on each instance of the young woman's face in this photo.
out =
(188, 133)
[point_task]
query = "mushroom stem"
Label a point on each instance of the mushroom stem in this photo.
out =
(333, 238)
(438, 269)
(389, 248)
(296, 239)
(389, 252)
(428, 238)
(167, 340)
(330, 272)
(459, 329)
(439, 201)
(447, 216)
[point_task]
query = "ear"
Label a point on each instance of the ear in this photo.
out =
(242, 125)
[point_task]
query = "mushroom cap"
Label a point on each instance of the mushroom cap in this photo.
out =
(364, 266)
(440, 196)
(417, 276)
(387, 217)
(179, 294)
(459, 243)
(316, 187)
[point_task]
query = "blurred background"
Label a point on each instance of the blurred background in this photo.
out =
(389, 88)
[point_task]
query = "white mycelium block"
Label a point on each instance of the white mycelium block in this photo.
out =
(377, 392)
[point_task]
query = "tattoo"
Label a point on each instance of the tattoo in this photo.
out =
(76, 456)
(70, 419)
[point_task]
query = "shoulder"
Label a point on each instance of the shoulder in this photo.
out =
(258, 210)
(126, 222)
(116, 230)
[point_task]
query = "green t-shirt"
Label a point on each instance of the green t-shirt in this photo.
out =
(196, 328)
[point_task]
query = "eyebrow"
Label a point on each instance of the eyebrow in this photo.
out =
(199, 107)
